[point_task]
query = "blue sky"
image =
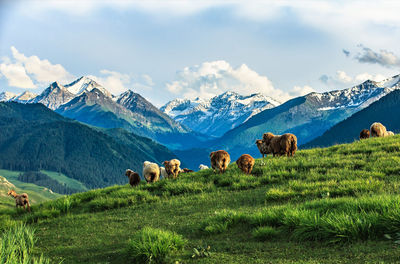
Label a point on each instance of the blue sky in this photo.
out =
(169, 49)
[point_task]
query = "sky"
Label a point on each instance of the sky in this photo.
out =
(189, 48)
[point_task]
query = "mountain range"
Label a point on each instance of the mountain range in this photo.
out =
(219, 114)
(384, 110)
(228, 121)
(36, 138)
(87, 101)
(307, 116)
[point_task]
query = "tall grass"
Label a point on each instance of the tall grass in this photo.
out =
(328, 220)
(16, 246)
(151, 245)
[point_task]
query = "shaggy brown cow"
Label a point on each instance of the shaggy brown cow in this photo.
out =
(20, 199)
(364, 134)
(378, 130)
(134, 178)
(262, 147)
(151, 171)
(281, 145)
(288, 144)
(172, 168)
(245, 163)
(220, 160)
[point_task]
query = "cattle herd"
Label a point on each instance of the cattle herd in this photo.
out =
(376, 130)
(277, 145)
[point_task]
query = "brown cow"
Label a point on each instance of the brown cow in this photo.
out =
(364, 134)
(220, 160)
(245, 163)
(134, 178)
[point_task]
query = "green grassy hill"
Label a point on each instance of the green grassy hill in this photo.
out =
(37, 194)
(332, 205)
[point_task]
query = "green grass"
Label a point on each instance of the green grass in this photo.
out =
(37, 194)
(152, 245)
(17, 246)
(332, 205)
(12, 176)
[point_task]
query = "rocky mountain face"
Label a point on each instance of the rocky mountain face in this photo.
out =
(24, 97)
(54, 96)
(85, 84)
(219, 114)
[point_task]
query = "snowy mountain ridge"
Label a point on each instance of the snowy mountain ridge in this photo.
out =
(359, 96)
(218, 114)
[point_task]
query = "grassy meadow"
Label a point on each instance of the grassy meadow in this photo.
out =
(333, 205)
(36, 193)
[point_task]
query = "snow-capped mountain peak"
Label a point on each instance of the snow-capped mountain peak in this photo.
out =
(218, 114)
(53, 96)
(85, 84)
(390, 82)
(359, 96)
(24, 97)
(6, 96)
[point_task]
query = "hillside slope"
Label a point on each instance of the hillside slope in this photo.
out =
(35, 138)
(385, 111)
(331, 205)
(37, 194)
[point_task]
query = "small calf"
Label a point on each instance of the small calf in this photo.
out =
(134, 178)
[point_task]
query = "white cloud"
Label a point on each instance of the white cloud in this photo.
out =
(16, 76)
(117, 83)
(362, 77)
(42, 71)
(213, 78)
(301, 90)
(30, 72)
(320, 13)
(113, 81)
(148, 80)
(342, 78)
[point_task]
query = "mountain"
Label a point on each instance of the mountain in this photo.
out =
(87, 101)
(307, 116)
(97, 109)
(25, 97)
(349, 129)
(140, 106)
(35, 138)
(6, 96)
(54, 96)
(85, 84)
(219, 114)
(131, 111)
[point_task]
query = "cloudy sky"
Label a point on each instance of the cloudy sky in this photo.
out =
(190, 48)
